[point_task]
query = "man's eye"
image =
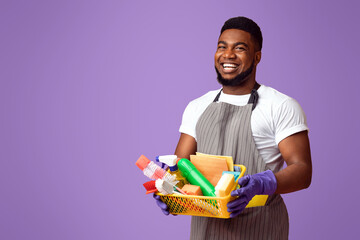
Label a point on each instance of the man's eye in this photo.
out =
(221, 47)
(240, 48)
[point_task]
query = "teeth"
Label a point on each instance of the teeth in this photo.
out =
(229, 65)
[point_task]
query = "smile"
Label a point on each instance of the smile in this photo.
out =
(229, 67)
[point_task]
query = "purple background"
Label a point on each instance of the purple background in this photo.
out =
(88, 86)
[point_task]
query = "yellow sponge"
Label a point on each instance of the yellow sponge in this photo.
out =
(225, 185)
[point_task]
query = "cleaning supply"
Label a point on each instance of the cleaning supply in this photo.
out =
(192, 190)
(236, 174)
(229, 159)
(164, 187)
(189, 171)
(167, 159)
(210, 167)
(150, 187)
(171, 161)
(153, 171)
(225, 185)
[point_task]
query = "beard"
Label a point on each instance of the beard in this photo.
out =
(239, 80)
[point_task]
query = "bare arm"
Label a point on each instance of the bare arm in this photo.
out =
(186, 146)
(295, 150)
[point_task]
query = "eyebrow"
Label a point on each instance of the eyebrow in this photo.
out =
(236, 44)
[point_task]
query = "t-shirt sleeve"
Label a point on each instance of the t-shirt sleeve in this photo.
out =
(289, 119)
(189, 120)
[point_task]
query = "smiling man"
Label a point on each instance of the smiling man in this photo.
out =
(259, 127)
(231, 66)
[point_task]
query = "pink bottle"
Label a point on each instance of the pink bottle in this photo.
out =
(153, 171)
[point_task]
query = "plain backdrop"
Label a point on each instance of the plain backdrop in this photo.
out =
(86, 87)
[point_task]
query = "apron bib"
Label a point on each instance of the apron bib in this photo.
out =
(225, 129)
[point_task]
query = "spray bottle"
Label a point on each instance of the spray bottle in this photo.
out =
(171, 160)
(194, 176)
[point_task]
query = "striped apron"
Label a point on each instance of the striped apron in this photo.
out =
(225, 129)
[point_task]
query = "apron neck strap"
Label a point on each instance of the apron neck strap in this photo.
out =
(253, 97)
(217, 96)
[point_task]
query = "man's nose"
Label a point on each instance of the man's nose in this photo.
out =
(229, 53)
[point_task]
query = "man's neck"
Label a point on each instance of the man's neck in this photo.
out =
(240, 90)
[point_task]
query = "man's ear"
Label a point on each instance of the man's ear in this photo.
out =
(257, 57)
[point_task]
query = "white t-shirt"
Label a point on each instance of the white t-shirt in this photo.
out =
(275, 117)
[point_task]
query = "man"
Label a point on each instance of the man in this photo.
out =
(259, 127)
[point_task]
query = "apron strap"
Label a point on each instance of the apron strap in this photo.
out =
(217, 96)
(253, 97)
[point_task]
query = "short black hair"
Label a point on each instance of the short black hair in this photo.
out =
(247, 25)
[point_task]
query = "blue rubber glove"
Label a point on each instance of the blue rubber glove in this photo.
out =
(161, 204)
(263, 183)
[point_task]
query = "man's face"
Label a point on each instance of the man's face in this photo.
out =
(235, 57)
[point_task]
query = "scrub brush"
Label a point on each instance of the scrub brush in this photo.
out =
(164, 187)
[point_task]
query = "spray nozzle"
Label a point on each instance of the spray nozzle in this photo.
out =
(169, 160)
